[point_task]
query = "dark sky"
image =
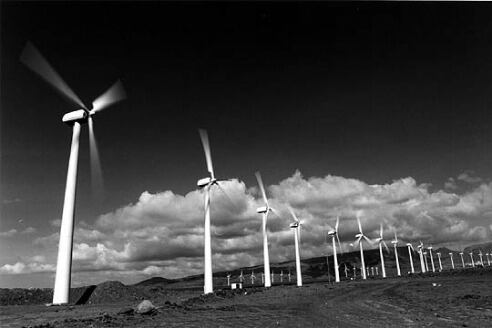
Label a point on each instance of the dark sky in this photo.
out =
(371, 91)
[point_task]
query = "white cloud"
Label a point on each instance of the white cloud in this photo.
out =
(10, 233)
(162, 233)
(21, 268)
(29, 230)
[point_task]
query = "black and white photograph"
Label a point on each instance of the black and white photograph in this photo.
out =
(245, 164)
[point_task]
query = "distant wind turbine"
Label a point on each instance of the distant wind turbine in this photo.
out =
(395, 245)
(462, 260)
(420, 249)
(472, 262)
(410, 250)
(481, 257)
(452, 261)
(34, 60)
(440, 264)
(358, 240)
(264, 211)
(207, 184)
(296, 226)
(333, 233)
(432, 258)
(381, 242)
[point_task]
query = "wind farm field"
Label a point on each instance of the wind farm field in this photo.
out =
(459, 298)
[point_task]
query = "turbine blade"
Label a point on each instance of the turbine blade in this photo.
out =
(396, 237)
(262, 187)
(32, 58)
(336, 224)
(96, 172)
(386, 246)
(229, 200)
(113, 95)
(360, 226)
(339, 244)
(275, 212)
(292, 213)
(206, 149)
(381, 230)
(368, 240)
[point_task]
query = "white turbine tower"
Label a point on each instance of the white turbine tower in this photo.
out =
(333, 233)
(426, 263)
(264, 211)
(472, 262)
(432, 258)
(296, 226)
(359, 237)
(207, 184)
(395, 245)
(440, 263)
(481, 257)
(33, 59)
(452, 261)
(462, 260)
(410, 250)
(228, 279)
(423, 266)
(381, 242)
(488, 259)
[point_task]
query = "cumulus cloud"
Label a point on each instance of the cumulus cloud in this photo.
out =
(10, 233)
(469, 177)
(22, 268)
(162, 233)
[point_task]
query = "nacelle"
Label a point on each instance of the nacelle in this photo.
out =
(262, 209)
(332, 233)
(294, 225)
(75, 116)
(358, 235)
(203, 182)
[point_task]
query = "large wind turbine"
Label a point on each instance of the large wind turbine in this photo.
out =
(359, 237)
(207, 184)
(381, 242)
(395, 245)
(296, 225)
(33, 59)
(410, 250)
(264, 211)
(333, 233)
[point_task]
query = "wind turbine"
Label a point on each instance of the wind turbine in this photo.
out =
(432, 258)
(426, 263)
(253, 277)
(264, 211)
(359, 237)
(488, 259)
(346, 270)
(228, 279)
(333, 233)
(462, 260)
(381, 242)
(33, 59)
(241, 277)
(452, 261)
(395, 245)
(410, 250)
(296, 226)
(472, 262)
(281, 276)
(481, 257)
(207, 184)
(440, 264)
(420, 248)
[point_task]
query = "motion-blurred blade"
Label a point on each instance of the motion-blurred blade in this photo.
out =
(275, 212)
(381, 231)
(229, 200)
(360, 226)
(336, 224)
(113, 95)
(206, 149)
(339, 245)
(368, 240)
(292, 213)
(96, 172)
(396, 238)
(262, 187)
(386, 246)
(32, 58)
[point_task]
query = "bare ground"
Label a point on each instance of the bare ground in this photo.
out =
(460, 299)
